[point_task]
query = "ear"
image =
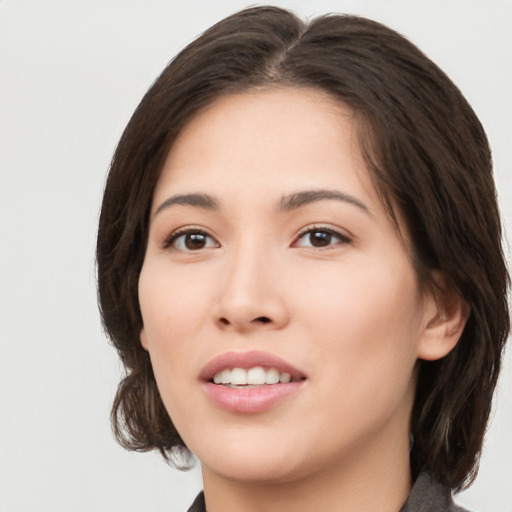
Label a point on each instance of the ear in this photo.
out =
(143, 339)
(446, 316)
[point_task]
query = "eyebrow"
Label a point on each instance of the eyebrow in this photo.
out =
(300, 199)
(286, 204)
(198, 200)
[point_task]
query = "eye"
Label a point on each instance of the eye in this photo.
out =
(190, 240)
(320, 237)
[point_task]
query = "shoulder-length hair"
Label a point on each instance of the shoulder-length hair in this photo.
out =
(429, 160)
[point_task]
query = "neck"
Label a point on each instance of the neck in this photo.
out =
(378, 478)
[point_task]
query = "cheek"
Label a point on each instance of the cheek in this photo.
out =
(175, 310)
(172, 303)
(366, 318)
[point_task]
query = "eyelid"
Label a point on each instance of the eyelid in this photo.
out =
(170, 239)
(336, 232)
(343, 236)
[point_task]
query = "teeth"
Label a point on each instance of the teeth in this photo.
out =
(272, 376)
(256, 376)
(238, 377)
(285, 377)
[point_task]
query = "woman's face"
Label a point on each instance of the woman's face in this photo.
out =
(269, 252)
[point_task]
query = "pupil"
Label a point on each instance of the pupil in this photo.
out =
(195, 241)
(320, 238)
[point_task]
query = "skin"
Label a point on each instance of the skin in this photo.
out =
(349, 314)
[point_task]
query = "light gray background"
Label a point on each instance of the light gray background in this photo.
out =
(71, 73)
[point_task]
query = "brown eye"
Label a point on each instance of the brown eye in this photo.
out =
(320, 238)
(191, 240)
(195, 241)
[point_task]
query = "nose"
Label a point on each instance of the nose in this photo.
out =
(251, 296)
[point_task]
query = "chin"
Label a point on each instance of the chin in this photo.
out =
(250, 471)
(250, 460)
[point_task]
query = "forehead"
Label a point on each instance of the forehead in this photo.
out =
(282, 137)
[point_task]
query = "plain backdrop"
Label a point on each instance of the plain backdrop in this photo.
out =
(71, 74)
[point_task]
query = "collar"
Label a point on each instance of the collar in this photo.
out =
(427, 495)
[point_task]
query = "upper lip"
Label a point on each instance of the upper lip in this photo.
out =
(246, 360)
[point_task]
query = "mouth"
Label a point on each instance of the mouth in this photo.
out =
(249, 382)
(253, 377)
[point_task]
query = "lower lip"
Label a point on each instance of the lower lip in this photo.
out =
(249, 400)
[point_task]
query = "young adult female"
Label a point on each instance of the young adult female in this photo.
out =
(300, 264)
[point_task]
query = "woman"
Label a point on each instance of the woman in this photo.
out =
(299, 262)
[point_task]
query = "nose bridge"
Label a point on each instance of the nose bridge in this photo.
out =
(249, 295)
(245, 274)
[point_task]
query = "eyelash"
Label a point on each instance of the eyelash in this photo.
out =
(343, 239)
(176, 235)
(170, 240)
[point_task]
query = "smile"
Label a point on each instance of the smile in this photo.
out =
(256, 376)
(249, 382)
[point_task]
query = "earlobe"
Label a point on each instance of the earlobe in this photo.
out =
(143, 339)
(444, 327)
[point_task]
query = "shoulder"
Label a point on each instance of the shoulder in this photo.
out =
(428, 495)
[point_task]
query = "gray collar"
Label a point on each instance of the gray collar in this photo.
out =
(427, 495)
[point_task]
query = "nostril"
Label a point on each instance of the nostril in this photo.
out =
(262, 319)
(259, 320)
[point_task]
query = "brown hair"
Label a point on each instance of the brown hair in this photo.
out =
(429, 159)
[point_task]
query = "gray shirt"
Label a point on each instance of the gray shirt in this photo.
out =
(427, 495)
